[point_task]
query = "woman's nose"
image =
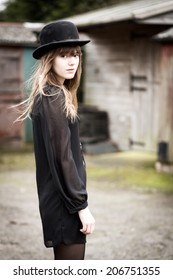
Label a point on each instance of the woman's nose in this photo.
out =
(71, 60)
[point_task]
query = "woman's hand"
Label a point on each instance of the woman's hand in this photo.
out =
(87, 220)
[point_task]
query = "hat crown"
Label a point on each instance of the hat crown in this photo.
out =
(58, 34)
(58, 31)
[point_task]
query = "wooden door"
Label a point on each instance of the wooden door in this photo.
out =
(141, 88)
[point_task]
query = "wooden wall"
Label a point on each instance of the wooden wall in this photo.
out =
(10, 94)
(15, 67)
(107, 80)
(165, 93)
(123, 78)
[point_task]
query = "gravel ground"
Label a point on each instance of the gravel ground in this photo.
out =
(130, 224)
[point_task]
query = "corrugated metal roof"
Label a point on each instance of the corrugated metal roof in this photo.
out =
(134, 10)
(16, 33)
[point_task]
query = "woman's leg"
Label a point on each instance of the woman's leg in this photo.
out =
(69, 252)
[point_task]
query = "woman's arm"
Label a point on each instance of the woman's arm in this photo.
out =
(64, 171)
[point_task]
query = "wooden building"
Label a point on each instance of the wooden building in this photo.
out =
(128, 71)
(129, 74)
(16, 45)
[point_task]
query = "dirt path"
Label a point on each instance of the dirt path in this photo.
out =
(131, 224)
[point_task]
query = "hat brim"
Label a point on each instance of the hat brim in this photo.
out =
(42, 50)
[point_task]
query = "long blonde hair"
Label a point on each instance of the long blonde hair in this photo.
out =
(44, 75)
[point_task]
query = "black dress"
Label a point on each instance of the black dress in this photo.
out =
(60, 170)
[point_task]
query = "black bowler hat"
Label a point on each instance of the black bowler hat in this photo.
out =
(58, 34)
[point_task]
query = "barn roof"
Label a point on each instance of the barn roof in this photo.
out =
(141, 11)
(165, 36)
(145, 11)
(16, 34)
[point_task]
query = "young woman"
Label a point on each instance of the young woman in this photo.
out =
(60, 167)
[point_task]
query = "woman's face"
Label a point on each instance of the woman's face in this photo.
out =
(65, 66)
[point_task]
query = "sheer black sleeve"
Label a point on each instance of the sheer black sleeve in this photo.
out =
(71, 187)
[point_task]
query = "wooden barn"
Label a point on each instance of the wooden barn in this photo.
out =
(129, 72)
(16, 45)
(128, 69)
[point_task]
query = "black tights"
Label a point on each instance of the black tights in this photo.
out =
(69, 252)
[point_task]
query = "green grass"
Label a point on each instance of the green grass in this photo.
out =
(128, 169)
(16, 160)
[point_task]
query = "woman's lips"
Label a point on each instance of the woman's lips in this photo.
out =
(70, 70)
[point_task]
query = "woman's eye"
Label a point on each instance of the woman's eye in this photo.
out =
(66, 56)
